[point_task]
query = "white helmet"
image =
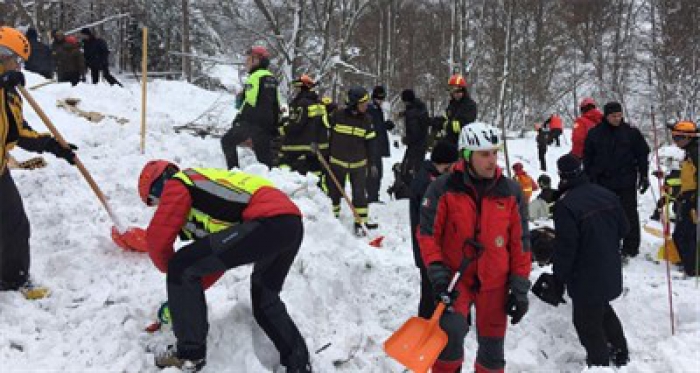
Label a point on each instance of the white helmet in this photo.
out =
(479, 136)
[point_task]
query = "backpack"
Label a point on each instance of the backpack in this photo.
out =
(400, 189)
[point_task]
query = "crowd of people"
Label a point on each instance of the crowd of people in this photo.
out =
(466, 215)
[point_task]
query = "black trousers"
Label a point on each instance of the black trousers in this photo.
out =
(554, 136)
(237, 134)
(413, 160)
(542, 152)
(95, 73)
(358, 181)
(597, 326)
(628, 199)
(14, 236)
(73, 78)
(685, 237)
(375, 183)
(271, 244)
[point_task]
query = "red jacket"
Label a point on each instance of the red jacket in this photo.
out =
(555, 122)
(582, 125)
(448, 218)
(174, 206)
(527, 184)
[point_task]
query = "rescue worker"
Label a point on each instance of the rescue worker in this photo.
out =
(685, 136)
(461, 109)
(590, 117)
(442, 158)
(527, 184)
(256, 122)
(542, 140)
(556, 127)
(233, 219)
(70, 65)
(303, 134)
(477, 215)
(350, 151)
(417, 123)
(14, 130)
(380, 143)
(671, 189)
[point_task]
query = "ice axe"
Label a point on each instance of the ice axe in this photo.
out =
(376, 242)
(130, 239)
(419, 342)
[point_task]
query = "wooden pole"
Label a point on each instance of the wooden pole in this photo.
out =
(144, 81)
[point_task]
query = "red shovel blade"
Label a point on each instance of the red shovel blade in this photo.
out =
(377, 242)
(134, 239)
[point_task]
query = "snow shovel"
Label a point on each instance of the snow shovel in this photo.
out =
(419, 342)
(376, 242)
(129, 239)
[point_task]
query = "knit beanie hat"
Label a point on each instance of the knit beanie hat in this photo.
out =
(407, 95)
(612, 107)
(379, 92)
(444, 152)
(569, 166)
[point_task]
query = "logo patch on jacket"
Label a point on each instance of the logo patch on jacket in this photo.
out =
(500, 205)
(499, 241)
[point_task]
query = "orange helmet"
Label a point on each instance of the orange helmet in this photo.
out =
(683, 128)
(304, 81)
(586, 102)
(15, 42)
(258, 51)
(151, 178)
(457, 80)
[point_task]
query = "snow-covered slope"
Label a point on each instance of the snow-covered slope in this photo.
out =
(346, 296)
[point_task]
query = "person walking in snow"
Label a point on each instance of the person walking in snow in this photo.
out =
(616, 156)
(233, 219)
(380, 144)
(556, 128)
(97, 57)
(477, 215)
(589, 223)
(685, 136)
(257, 121)
(590, 117)
(15, 131)
(350, 151)
(542, 140)
(461, 109)
(442, 158)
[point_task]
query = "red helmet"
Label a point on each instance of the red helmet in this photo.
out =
(258, 51)
(71, 40)
(151, 172)
(304, 81)
(517, 166)
(586, 102)
(457, 80)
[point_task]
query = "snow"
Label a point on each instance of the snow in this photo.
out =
(345, 296)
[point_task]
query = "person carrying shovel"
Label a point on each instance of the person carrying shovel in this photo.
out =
(14, 130)
(475, 219)
(233, 219)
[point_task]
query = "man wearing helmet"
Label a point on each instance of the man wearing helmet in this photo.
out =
(233, 219)
(14, 130)
(256, 122)
(461, 110)
(590, 117)
(685, 136)
(476, 216)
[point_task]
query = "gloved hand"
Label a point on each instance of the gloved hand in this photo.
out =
(314, 147)
(439, 276)
(12, 79)
(56, 149)
(517, 303)
(164, 314)
(643, 184)
(389, 125)
(549, 290)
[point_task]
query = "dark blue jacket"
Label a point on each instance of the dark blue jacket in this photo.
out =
(589, 223)
(381, 143)
(96, 53)
(614, 157)
(419, 185)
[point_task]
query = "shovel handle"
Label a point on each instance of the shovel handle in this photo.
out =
(78, 163)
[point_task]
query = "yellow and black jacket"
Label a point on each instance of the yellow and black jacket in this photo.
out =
(351, 132)
(308, 123)
(260, 109)
(14, 130)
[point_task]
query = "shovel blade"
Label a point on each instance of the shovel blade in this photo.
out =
(134, 239)
(377, 242)
(417, 344)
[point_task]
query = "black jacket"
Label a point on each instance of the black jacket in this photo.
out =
(614, 157)
(464, 111)
(542, 140)
(40, 60)
(305, 124)
(264, 115)
(589, 223)
(381, 143)
(96, 53)
(419, 185)
(417, 124)
(351, 138)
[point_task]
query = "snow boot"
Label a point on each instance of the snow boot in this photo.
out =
(169, 358)
(359, 230)
(619, 357)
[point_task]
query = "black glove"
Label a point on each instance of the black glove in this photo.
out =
(439, 276)
(389, 125)
(643, 184)
(549, 289)
(12, 79)
(517, 303)
(56, 149)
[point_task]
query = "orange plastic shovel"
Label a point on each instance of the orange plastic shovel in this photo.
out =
(131, 238)
(419, 342)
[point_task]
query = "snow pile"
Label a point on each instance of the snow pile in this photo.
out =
(345, 296)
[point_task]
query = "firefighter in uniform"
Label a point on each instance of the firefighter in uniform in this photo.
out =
(234, 218)
(351, 133)
(461, 110)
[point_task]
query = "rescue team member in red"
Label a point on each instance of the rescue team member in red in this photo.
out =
(476, 213)
(590, 117)
(234, 219)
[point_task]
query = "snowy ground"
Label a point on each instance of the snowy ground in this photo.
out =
(345, 295)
